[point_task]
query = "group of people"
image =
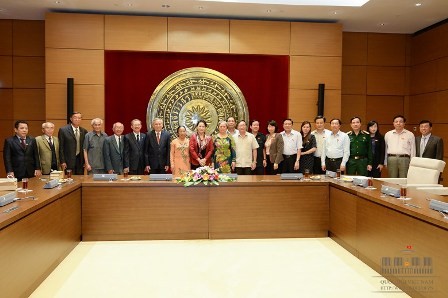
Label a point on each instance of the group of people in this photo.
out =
(232, 149)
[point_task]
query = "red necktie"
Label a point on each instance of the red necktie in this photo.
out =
(158, 137)
(23, 143)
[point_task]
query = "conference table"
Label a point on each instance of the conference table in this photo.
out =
(405, 244)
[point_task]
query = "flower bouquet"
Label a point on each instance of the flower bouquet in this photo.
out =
(205, 175)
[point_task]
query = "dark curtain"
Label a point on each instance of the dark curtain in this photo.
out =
(131, 78)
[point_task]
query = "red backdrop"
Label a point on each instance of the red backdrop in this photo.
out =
(131, 78)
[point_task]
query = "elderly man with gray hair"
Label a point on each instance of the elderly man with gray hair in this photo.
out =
(93, 148)
(48, 149)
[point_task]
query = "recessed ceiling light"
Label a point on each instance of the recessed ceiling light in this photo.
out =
(418, 4)
(382, 24)
(166, 5)
(57, 2)
(357, 3)
(268, 10)
(200, 7)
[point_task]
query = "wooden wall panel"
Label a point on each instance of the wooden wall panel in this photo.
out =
(6, 37)
(386, 49)
(354, 48)
(29, 104)
(28, 38)
(6, 104)
(302, 104)
(354, 79)
(314, 39)
(259, 37)
(384, 108)
(56, 101)
(135, 33)
(85, 66)
(198, 35)
(442, 74)
(88, 99)
(423, 106)
(430, 45)
(5, 71)
(423, 78)
(76, 31)
(386, 80)
(29, 72)
(354, 105)
(308, 72)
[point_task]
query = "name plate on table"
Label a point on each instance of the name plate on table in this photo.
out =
(160, 177)
(8, 184)
(104, 177)
(330, 174)
(51, 184)
(390, 191)
(7, 198)
(438, 205)
(57, 175)
(232, 175)
(291, 176)
(363, 182)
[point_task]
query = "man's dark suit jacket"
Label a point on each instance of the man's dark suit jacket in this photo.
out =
(67, 145)
(113, 156)
(134, 153)
(433, 148)
(23, 162)
(157, 155)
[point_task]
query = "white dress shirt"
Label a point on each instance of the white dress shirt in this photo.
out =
(336, 146)
(292, 142)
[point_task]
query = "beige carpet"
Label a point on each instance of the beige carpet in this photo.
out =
(316, 267)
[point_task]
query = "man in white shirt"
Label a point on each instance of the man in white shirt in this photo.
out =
(231, 127)
(292, 140)
(246, 150)
(336, 148)
(320, 133)
(400, 148)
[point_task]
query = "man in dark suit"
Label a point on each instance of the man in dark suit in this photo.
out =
(71, 140)
(20, 153)
(134, 149)
(428, 145)
(157, 152)
(113, 150)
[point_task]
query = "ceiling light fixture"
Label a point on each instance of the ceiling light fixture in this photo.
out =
(418, 4)
(166, 5)
(356, 3)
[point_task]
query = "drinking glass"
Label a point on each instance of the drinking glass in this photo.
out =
(370, 183)
(338, 174)
(25, 184)
(403, 192)
(69, 175)
(126, 175)
(306, 175)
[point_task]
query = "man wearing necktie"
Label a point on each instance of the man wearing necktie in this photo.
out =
(428, 145)
(48, 149)
(134, 149)
(113, 150)
(71, 139)
(157, 152)
(20, 154)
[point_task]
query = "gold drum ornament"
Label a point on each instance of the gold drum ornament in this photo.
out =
(193, 94)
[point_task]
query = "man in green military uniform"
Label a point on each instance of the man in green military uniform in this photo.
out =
(360, 160)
